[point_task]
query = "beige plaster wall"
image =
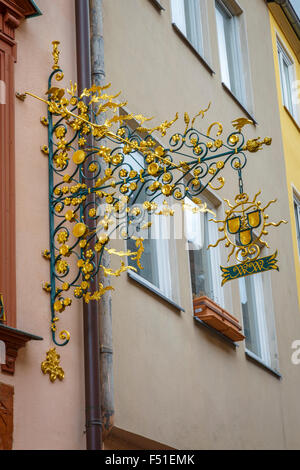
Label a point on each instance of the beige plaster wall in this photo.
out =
(174, 382)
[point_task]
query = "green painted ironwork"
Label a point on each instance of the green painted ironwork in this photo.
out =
(203, 156)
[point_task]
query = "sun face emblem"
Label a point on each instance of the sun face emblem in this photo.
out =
(244, 226)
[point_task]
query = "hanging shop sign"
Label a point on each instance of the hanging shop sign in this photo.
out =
(2, 311)
(83, 176)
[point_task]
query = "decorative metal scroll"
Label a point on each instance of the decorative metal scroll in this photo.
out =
(113, 173)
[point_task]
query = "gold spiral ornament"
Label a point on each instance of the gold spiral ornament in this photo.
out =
(64, 335)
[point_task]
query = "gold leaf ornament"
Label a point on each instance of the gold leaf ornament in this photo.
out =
(79, 157)
(79, 230)
(52, 366)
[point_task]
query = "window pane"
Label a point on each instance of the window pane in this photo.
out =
(149, 257)
(254, 316)
(155, 258)
(193, 23)
(200, 266)
(286, 74)
(250, 315)
(230, 57)
(215, 263)
(178, 14)
(197, 266)
(148, 262)
(222, 47)
(282, 76)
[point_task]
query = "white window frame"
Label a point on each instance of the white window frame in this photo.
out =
(233, 78)
(266, 331)
(287, 88)
(199, 230)
(199, 32)
(296, 205)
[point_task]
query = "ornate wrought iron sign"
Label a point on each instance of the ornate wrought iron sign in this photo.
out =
(244, 228)
(78, 185)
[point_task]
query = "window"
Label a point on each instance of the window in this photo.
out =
(204, 264)
(158, 260)
(258, 319)
(297, 219)
(287, 77)
(190, 18)
(230, 52)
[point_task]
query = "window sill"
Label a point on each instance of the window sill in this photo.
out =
(153, 289)
(292, 118)
(192, 48)
(157, 5)
(255, 359)
(217, 318)
(237, 101)
(14, 340)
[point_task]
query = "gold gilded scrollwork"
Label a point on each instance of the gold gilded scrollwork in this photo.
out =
(221, 181)
(52, 366)
(55, 53)
(220, 129)
(201, 113)
(254, 145)
(70, 113)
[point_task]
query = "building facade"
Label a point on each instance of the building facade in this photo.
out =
(177, 383)
(285, 38)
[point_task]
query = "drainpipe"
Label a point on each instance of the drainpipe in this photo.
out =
(90, 310)
(105, 315)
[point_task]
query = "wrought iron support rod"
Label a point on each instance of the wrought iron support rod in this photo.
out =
(90, 310)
